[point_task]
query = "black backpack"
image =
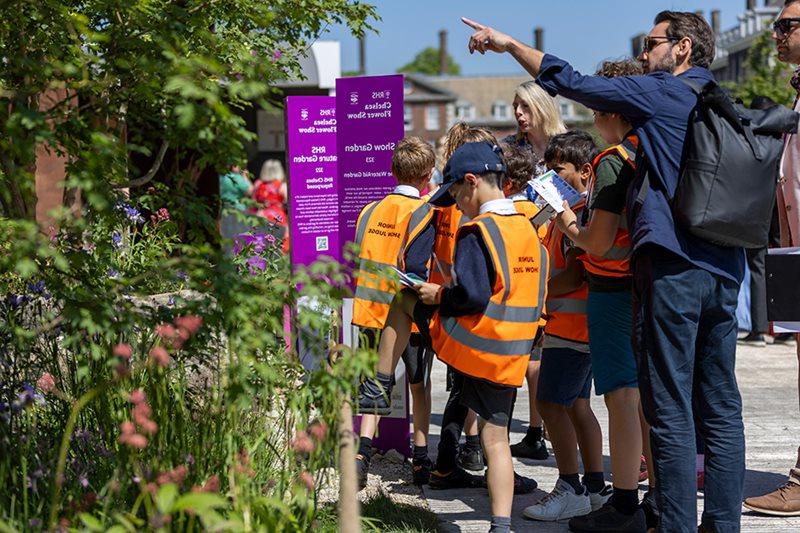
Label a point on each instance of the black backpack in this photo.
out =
(726, 189)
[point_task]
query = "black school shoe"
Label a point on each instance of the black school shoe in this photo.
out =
(524, 485)
(471, 459)
(362, 469)
(651, 513)
(524, 449)
(608, 520)
(457, 479)
(373, 399)
(421, 472)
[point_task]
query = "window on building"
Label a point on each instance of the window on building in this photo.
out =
(566, 110)
(465, 111)
(501, 110)
(432, 118)
(408, 117)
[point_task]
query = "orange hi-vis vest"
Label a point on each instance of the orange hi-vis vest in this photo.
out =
(384, 231)
(530, 210)
(448, 220)
(566, 313)
(616, 263)
(496, 345)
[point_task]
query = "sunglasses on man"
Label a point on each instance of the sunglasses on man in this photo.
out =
(651, 42)
(783, 27)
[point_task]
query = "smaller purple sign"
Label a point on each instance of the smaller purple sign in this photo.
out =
(313, 193)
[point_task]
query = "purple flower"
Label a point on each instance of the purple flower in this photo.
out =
(131, 213)
(27, 398)
(256, 265)
(83, 480)
(171, 300)
(116, 239)
(113, 273)
(16, 300)
(276, 55)
(182, 275)
(37, 288)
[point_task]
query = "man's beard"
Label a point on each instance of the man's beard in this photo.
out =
(667, 64)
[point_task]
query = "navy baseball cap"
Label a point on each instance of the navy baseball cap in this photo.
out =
(469, 158)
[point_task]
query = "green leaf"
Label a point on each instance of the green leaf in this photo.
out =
(199, 501)
(26, 267)
(166, 497)
(91, 522)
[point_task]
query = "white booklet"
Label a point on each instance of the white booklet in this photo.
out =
(549, 191)
(408, 280)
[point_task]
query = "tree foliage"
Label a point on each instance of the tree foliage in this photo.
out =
(103, 81)
(766, 74)
(427, 62)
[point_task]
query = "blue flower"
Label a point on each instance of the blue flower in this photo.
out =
(16, 300)
(37, 288)
(171, 300)
(27, 398)
(113, 273)
(116, 239)
(131, 213)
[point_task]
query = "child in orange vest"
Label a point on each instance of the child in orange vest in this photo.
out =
(484, 325)
(565, 379)
(397, 231)
(604, 237)
(521, 168)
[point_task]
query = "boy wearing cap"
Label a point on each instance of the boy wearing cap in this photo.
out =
(485, 324)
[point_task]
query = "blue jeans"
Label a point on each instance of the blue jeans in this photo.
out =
(685, 344)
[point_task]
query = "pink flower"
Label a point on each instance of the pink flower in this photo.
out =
(319, 430)
(308, 480)
(160, 356)
(148, 426)
(211, 485)
(301, 443)
(127, 428)
(162, 214)
(165, 331)
(46, 383)
(276, 55)
(123, 351)
(192, 323)
(134, 440)
(137, 396)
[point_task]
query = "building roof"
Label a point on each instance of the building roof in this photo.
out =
(482, 92)
(752, 23)
(422, 90)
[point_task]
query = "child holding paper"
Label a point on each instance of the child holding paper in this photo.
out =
(484, 325)
(565, 377)
(396, 232)
(604, 238)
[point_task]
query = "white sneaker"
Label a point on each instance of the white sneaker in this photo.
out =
(561, 504)
(599, 499)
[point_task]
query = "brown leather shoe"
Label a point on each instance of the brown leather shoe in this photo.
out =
(784, 501)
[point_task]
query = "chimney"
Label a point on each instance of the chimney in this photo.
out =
(442, 52)
(538, 38)
(637, 44)
(750, 5)
(699, 12)
(362, 55)
(715, 18)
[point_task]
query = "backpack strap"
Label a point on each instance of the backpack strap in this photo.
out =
(696, 87)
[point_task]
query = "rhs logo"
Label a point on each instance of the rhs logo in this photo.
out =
(304, 114)
(354, 98)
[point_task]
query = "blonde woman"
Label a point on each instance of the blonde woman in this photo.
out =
(538, 120)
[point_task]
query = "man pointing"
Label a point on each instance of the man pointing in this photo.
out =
(685, 289)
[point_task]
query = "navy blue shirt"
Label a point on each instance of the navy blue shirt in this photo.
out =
(658, 106)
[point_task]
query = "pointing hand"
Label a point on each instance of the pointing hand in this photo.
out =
(486, 38)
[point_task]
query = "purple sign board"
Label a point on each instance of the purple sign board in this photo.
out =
(370, 123)
(370, 113)
(313, 191)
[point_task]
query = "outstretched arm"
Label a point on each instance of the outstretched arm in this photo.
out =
(635, 97)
